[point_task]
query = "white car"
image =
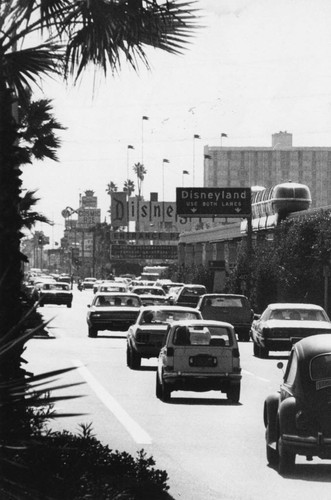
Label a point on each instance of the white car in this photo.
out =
(145, 338)
(283, 324)
(112, 311)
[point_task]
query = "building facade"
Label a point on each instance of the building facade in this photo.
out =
(267, 166)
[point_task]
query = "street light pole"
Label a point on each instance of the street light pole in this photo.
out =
(163, 162)
(196, 136)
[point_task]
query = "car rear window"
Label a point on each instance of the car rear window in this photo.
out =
(168, 316)
(193, 291)
(198, 336)
(124, 301)
(320, 367)
(225, 302)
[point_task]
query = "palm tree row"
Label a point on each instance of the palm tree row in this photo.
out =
(71, 35)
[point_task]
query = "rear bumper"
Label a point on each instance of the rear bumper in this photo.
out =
(147, 351)
(200, 382)
(117, 325)
(318, 446)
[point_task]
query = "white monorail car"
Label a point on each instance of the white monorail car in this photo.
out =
(270, 206)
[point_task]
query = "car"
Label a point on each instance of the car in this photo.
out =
(110, 287)
(56, 292)
(189, 295)
(199, 355)
(145, 338)
(282, 324)
(297, 418)
(112, 311)
(231, 308)
(88, 283)
(151, 290)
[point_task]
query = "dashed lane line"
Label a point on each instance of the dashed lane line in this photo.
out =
(139, 435)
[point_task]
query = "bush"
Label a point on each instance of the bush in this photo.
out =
(62, 465)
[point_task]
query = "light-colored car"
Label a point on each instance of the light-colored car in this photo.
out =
(88, 283)
(110, 287)
(146, 337)
(199, 355)
(112, 311)
(298, 417)
(56, 292)
(231, 308)
(282, 324)
(153, 300)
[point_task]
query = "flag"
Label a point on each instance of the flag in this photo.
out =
(145, 118)
(186, 172)
(196, 136)
(165, 160)
(223, 135)
(130, 147)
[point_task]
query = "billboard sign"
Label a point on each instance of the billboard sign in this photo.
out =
(209, 202)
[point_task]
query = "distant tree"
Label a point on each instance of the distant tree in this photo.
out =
(140, 172)
(111, 188)
(129, 187)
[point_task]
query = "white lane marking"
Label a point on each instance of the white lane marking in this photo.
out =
(139, 435)
(253, 375)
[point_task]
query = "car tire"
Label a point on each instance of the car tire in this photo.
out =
(165, 393)
(286, 460)
(244, 336)
(233, 393)
(272, 456)
(264, 352)
(69, 305)
(92, 332)
(135, 360)
(128, 357)
(158, 389)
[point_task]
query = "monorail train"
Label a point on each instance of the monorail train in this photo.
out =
(270, 206)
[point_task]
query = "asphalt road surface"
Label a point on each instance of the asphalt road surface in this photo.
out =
(212, 449)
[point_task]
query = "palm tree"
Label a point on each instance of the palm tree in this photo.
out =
(74, 34)
(140, 172)
(29, 216)
(111, 188)
(129, 187)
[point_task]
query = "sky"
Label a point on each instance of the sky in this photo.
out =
(256, 67)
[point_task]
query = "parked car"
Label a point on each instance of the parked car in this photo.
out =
(231, 308)
(112, 311)
(282, 324)
(298, 417)
(53, 293)
(199, 355)
(146, 337)
(88, 283)
(189, 295)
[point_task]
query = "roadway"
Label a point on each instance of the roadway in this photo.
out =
(212, 449)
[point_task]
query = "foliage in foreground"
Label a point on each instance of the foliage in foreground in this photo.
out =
(62, 465)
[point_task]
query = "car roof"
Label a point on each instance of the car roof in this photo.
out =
(116, 294)
(171, 308)
(293, 305)
(223, 295)
(313, 345)
(202, 322)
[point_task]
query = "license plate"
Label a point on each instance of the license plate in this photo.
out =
(202, 360)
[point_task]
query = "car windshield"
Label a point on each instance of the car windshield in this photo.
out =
(164, 317)
(298, 314)
(320, 367)
(202, 335)
(113, 301)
